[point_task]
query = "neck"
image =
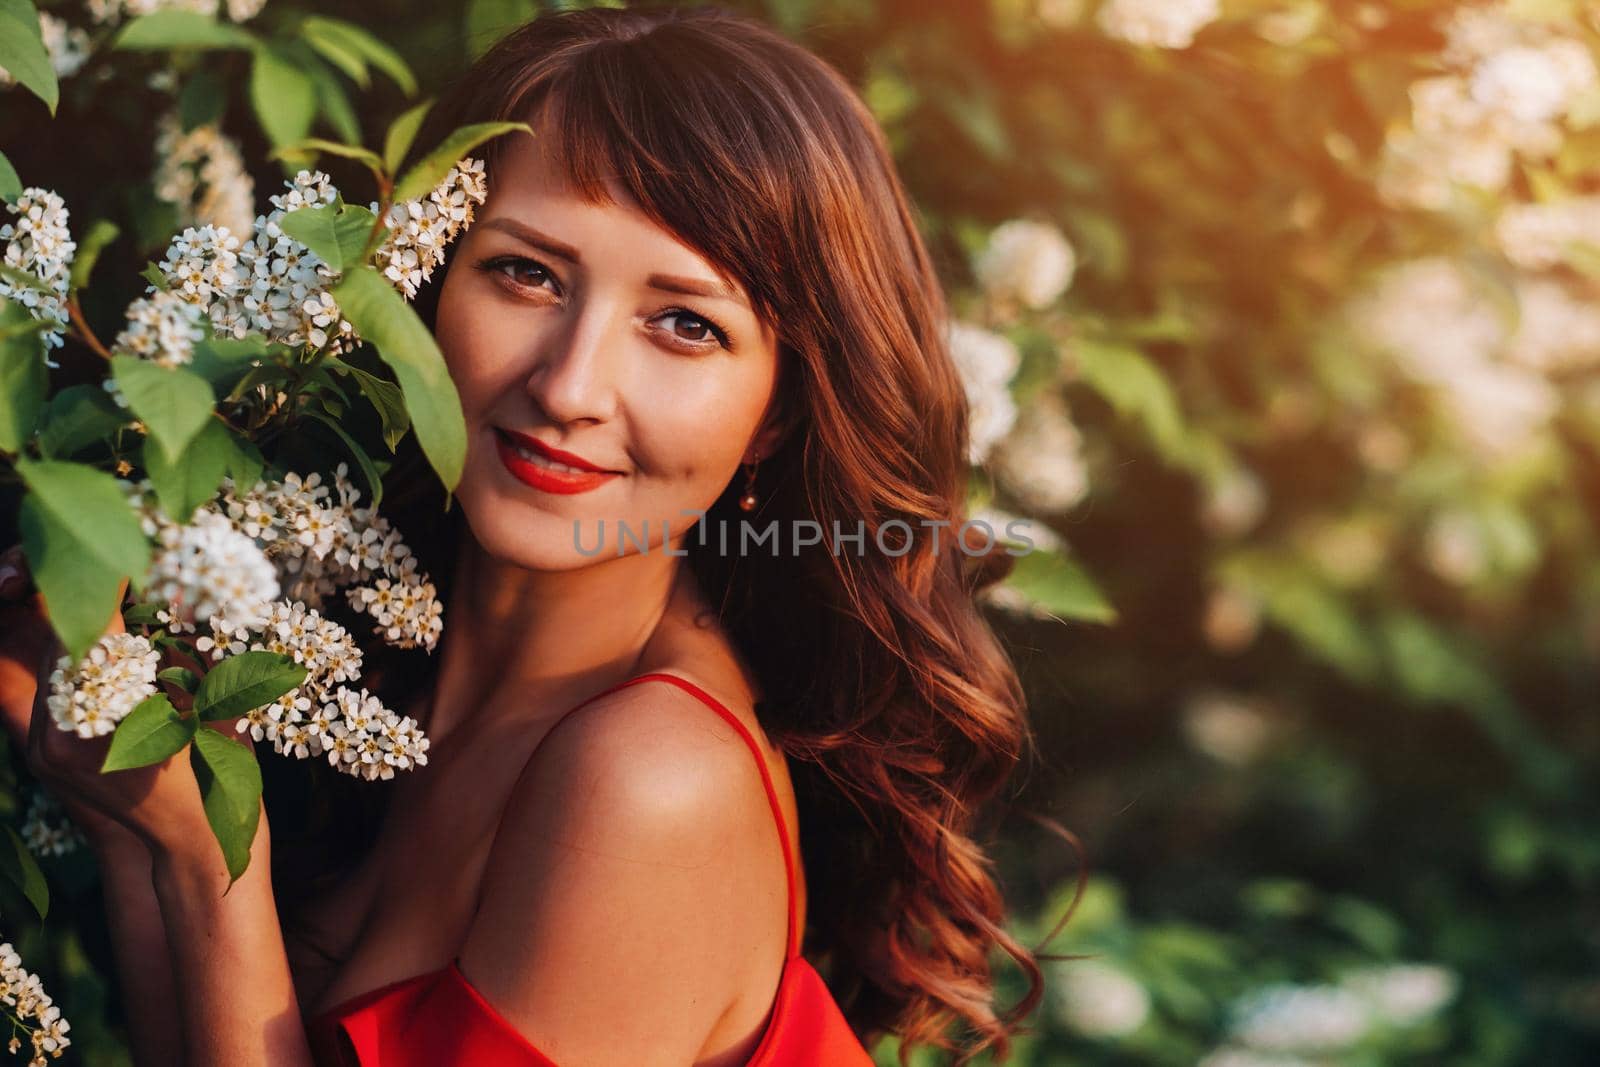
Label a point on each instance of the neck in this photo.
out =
(517, 640)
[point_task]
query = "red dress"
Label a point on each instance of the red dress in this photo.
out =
(439, 1019)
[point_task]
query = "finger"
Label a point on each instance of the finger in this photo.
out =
(15, 579)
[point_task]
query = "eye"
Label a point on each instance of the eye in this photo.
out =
(519, 270)
(705, 331)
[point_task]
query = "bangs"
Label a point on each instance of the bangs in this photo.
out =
(642, 117)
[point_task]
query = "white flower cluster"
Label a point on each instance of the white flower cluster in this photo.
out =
(110, 12)
(32, 1009)
(207, 570)
(1324, 1018)
(39, 243)
(271, 284)
(1040, 462)
(67, 46)
(1540, 236)
(1099, 999)
(315, 546)
(1513, 80)
(90, 697)
(356, 733)
(419, 230)
(1162, 23)
(162, 328)
(353, 729)
(1026, 262)
(986, 362)
(203, 173)
(46, 828)
(1428, 315)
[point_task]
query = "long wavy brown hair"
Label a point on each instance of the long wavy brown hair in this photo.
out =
(899, 710)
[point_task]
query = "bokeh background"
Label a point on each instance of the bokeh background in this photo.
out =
(1278, 320)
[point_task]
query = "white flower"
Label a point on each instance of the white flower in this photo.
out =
(1228, 728)
(1098, 999)
(1040, 462)
(986, 362)
(420, 229)
(1234, 502)
(46, 829)
(1028, 261)
(1403, 993)
(203, 173)
(110, 12)
(91, 696)
(68, 47)
(1162, 23)
(206, 569)
(162, 328)
(1284, 1017)
(1456, 548)
(36, 1013)
(38, 242)
(1557, 331)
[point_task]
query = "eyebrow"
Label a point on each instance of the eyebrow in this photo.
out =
(667, 283)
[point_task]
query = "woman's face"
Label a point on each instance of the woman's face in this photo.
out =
(591, 329)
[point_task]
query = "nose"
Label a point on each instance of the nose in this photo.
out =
(574, 378)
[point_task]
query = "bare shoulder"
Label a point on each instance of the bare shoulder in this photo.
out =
(631, 892)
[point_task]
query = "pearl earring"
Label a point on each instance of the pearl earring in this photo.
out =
(749, 501)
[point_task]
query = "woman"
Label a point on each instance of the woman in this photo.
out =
(698, 289)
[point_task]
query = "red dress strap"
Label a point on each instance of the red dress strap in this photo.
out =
(792, 932)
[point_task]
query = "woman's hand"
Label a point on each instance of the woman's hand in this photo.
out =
(158, 805)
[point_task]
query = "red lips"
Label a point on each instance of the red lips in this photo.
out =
(587, 476)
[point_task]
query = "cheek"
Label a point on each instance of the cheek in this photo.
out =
(692, 424)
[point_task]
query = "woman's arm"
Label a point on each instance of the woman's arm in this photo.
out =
(236, 996)
(139, 938)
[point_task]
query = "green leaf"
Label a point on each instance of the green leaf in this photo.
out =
(77, 417)
(221, 361)
(390, 404)
(244, 462)
(402, 132)
(354, 39)
(182, 677)
(152, 274)
(333, 101)
(384, 319)
(22, 870)
(244, 682)
(421, 179)
(202, 99)
(334, 148)
(336, 50)
(146, 614)
(184, 484)
(23, 54)
(283, 95)
(101, 233)
(10, 183)
(230, 790)
(1059, 586)
(338, 236)
(152, 732)
(368, 471)
(1135, 388)
(81, 538)
(173, 402)
(24, 380)
(182, 29)
(490, 20)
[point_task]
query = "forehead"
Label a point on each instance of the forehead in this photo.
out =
(530, 185)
